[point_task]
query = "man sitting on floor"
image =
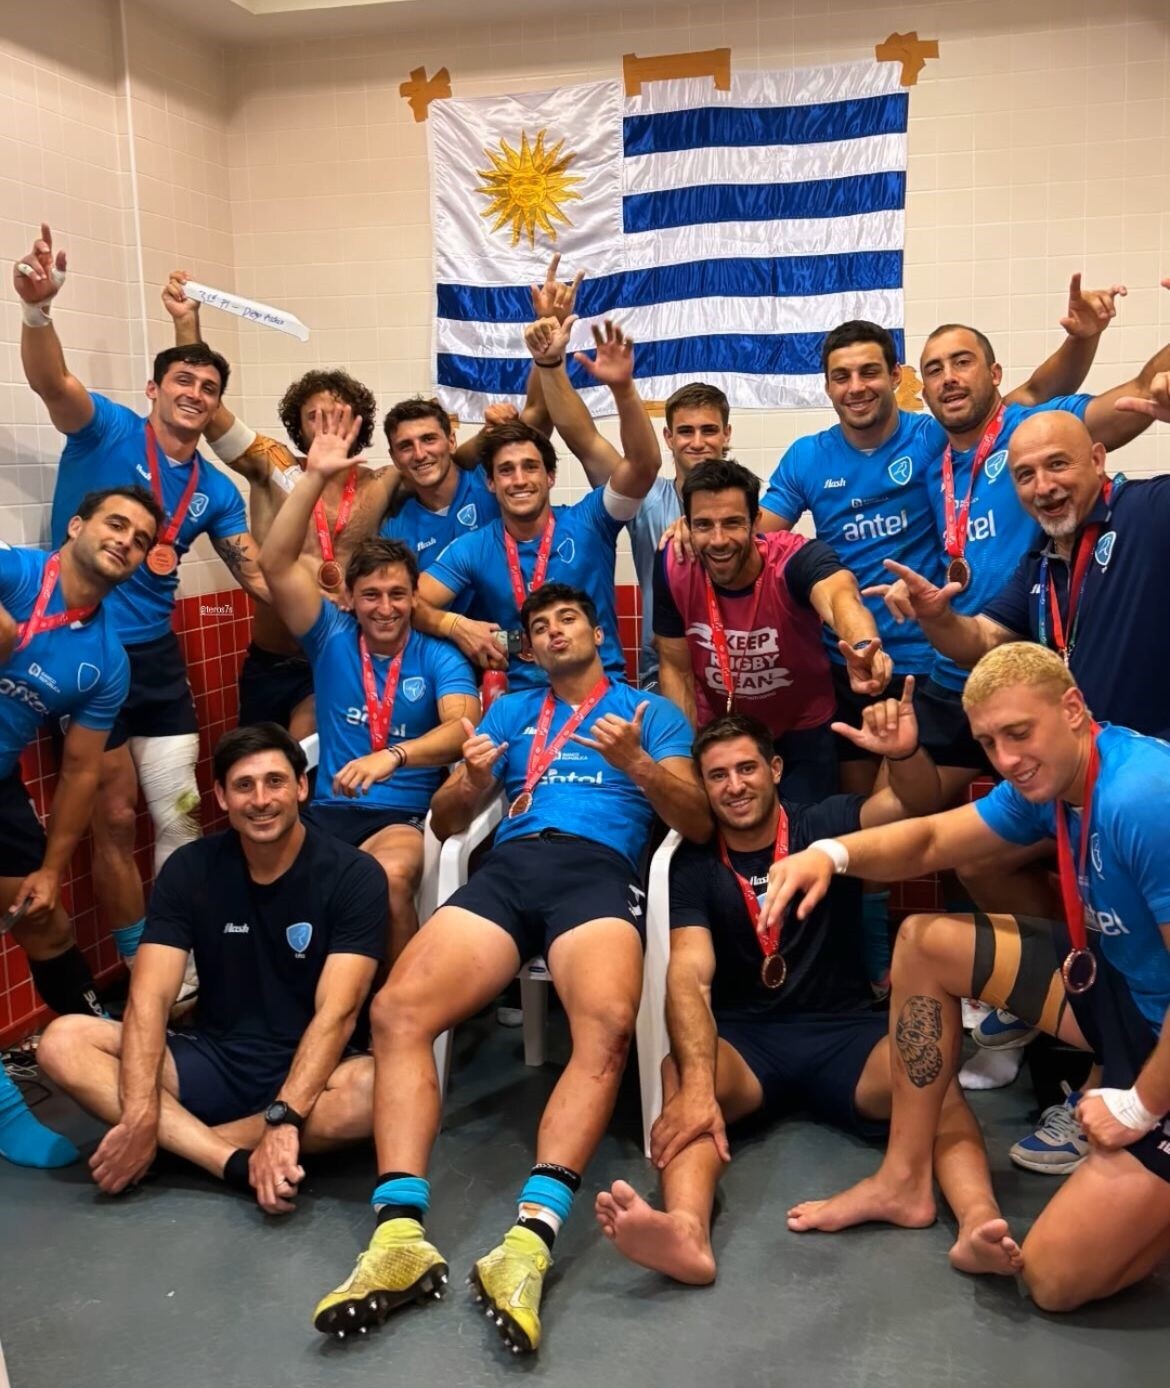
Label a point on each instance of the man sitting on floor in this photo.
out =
(288, 927)
(562, 881)
(772, 1023)
(1099, 980)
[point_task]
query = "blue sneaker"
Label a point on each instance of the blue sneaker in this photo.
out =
(1059, 1144)
(999, 1030)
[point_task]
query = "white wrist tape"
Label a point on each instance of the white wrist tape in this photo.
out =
(1128, 1109)
(35, 315)
(235, 443)
(836, 851)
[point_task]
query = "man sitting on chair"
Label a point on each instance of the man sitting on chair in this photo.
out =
(287, 927)
(584, 767)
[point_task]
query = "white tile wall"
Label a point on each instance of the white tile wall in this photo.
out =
(1040, 144)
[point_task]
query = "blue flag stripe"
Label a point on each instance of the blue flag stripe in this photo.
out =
(786, 354)
(738, 277)
(778, 125)
(763, 202)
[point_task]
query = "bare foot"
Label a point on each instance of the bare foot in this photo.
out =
(873, 1199)
(674, 1244)
(987, 1248)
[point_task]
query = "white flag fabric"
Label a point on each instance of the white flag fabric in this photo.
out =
(726, 231)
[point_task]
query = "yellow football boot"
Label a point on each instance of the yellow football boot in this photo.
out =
(399, 1266)
(510, 1279)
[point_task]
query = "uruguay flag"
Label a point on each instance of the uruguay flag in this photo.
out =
(726, 231)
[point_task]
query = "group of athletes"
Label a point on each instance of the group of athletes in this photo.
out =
(981, 598)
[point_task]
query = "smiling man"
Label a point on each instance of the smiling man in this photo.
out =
(1099, 979)
(155, 740)
(288, 927)
(389, 699)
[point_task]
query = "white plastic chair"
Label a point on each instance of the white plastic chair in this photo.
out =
(650, 1031)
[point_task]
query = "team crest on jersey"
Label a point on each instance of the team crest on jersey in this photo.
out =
(467, 515)
(567, 550)
(87, 676)
(198, 504)
(901, 469)
(995, 464)
(1095, 851)
(1104, 551)
(414, 688)
(298, 937)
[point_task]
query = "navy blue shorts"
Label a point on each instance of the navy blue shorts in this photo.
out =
(355, 823)
(539, 888)
(159, 703)
(272, 685)
(851, 705)
(221, 1081)
(811, 1061)
(810, 772)
(943, 728)
(22, 838)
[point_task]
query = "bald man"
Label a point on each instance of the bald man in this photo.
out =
(1095, 591)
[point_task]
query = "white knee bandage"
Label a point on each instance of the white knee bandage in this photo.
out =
(166, 772)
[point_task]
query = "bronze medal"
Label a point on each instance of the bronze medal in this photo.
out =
(1079, 971)
(959, 571)
(521, 805)
(330, 577)
(162, 560)
(773, 971)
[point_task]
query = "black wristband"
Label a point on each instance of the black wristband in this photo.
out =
(549, 365)
(908, 755)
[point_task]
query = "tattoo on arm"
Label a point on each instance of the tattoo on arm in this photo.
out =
(233, 554)
(918, 1034)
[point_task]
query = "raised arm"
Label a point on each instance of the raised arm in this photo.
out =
(960, 638)
(1121, 414)
(38, 278)
(837, 601)
(241, 554)
(342, 988)
(1090, 311)
(295, 593)
(693, 1111)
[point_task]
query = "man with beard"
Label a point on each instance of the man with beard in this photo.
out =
(288, 927)
(389, 699)
(60, 658)
(585, 764)
(154, 742)
(1099, 979)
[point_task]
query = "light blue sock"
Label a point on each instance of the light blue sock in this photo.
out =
(128, 937)
(875, 935)
(24, 1140)
(545, 1201)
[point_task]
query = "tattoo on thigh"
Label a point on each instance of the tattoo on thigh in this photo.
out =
(918, 1034)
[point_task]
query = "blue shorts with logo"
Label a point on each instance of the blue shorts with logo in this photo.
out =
(539, 888)
(811, 1061)
(355, 823)
(222, 1080)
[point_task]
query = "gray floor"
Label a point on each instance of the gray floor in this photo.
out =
(181, 1284)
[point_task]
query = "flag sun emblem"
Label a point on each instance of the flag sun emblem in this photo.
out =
(527, 186)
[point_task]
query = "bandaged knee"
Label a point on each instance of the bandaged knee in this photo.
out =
(166, 773)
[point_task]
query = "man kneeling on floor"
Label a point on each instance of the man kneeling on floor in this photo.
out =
(585, 765)
(1099, 980)
(768, 1022)
(288, 927)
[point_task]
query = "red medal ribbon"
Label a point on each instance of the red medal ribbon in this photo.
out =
(719, 633)
(37, 621)
(325, 537)
(1076, 583)
(379, 711)
(172, 527)
(540, 756)
(769, 943)
(519, 591)
(955, 535)
(1072, 880)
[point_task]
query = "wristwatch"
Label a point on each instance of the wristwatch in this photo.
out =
(278, 1113)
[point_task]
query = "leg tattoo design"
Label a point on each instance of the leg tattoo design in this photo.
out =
(918, 1034)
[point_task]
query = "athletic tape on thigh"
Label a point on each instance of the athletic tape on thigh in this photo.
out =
(166, 773)
(1016, 969)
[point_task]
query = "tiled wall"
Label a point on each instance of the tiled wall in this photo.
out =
(295, 173)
